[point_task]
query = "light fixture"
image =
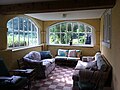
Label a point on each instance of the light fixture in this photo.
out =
(64, 15)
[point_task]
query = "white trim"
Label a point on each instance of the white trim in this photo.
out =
(22, 48)
(71, 45)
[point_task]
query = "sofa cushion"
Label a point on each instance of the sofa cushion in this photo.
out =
(45, 55)
(101, 64)
(60, 58)
(62, 52)
(72, 53)
(81, 65)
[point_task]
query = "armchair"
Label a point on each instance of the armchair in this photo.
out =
(8, 82)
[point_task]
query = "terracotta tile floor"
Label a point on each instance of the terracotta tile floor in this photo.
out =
(59, 79)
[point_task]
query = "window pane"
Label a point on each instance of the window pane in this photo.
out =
(88, 38)
(63, 27)
(21, 23)
(25, 23)
(69, 27)
(81, 28)
(68, 38)
(33, 28)
(63, 38)
(57, 28)
(88, 29)
(75, 27)
(10, 39)
(9, 25)
(75, 38)
(30, 38)
(34, 36)
(54, 38)
(29, 25)
(15, 23)
(81, 38)
(16, 39)
(22, 42)
(26, 39)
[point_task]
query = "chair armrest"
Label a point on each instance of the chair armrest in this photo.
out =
(19, 70)
(6, 78)
(86, 74)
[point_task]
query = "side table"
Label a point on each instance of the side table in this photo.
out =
(29, 73)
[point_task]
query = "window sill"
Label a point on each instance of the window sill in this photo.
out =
(72, 45)
(23, 48)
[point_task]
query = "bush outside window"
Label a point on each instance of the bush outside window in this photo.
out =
(75, 32)
(21, 32)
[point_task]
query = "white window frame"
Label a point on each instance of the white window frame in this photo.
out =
(92, 34)
(27, 31)
(107, 28)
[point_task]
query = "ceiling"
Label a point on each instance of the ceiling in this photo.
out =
(69, 15)
(56, 9)
(6, 2)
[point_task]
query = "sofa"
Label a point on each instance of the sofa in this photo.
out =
(42, 62)
(68, 57)
(95, 69)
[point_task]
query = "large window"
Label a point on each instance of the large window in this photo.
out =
(21, 32)
(107, 28)
(74, 33)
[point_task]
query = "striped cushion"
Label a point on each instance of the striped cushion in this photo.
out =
(72, 53)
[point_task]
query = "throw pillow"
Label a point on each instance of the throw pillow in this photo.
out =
(72, 53)
(45, 55)
(102, 66)
(34, 55)
(62, 52)
(79, 54)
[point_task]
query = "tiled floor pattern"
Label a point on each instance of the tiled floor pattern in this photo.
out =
(59, 79)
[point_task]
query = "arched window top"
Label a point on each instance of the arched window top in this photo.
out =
(21, 32)
(71, 32)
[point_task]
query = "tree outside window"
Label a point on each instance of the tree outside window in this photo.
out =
(21, 32)
(75, 32)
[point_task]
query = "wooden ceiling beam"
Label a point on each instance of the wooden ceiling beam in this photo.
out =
(56, 6)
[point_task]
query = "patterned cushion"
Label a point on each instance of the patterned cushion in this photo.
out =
(34, 55)
(62, 52)
(72, 53)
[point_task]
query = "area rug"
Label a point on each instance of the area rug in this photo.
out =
(59, 79)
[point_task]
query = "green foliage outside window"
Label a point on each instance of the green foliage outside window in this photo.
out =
(63, 33)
